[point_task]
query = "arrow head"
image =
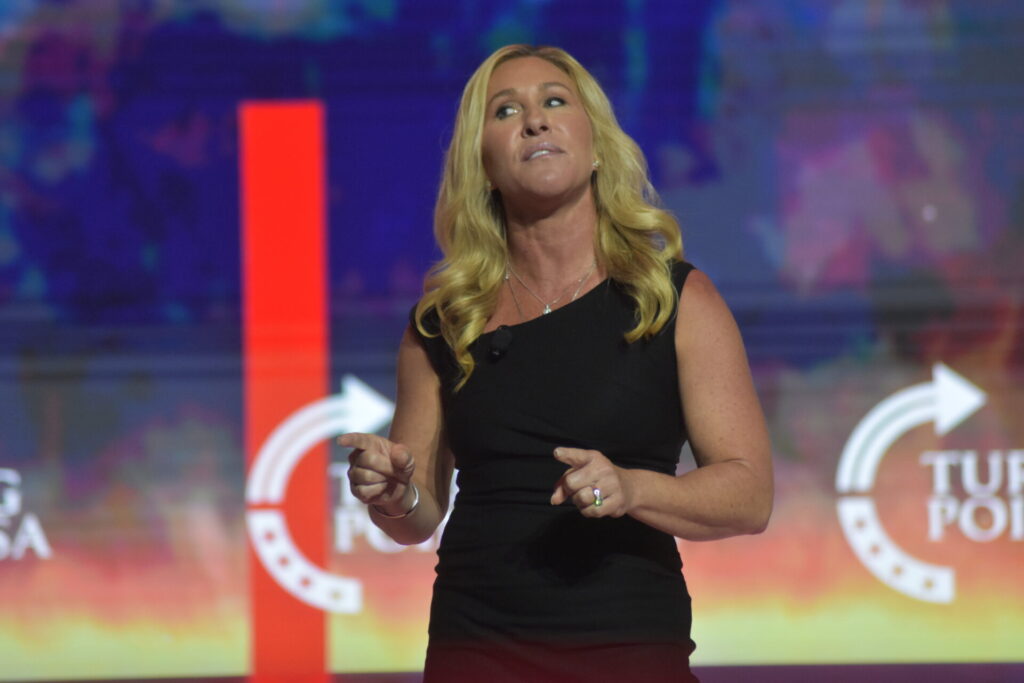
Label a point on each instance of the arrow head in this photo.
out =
(367, 410)
(956, 399)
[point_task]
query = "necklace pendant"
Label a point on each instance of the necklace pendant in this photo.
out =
(547, 309)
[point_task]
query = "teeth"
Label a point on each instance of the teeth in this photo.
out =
(540, 152)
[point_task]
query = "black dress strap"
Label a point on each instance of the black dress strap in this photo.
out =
(438, 351)
(680, 270)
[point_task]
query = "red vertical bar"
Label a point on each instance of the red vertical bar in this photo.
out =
(285, 349)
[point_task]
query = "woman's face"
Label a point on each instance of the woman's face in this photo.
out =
(537, 141)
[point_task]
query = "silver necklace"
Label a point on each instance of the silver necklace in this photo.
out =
(515, 298)
(547, 305)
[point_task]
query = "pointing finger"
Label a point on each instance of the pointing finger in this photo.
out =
(573, 457)
(358, 440)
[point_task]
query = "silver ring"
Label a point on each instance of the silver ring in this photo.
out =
(598, 500)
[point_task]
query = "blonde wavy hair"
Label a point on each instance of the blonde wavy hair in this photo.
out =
(637, 242)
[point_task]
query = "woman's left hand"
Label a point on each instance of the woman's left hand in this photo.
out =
(596, 486)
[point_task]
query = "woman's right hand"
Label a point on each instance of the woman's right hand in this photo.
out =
(380, 472)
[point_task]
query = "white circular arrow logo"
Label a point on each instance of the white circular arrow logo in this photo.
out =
(947, 401)
(358, 408)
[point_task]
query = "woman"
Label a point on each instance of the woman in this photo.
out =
(559, 363)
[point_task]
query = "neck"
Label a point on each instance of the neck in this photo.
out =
(551, 248)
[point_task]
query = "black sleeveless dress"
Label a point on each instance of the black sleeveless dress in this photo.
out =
(527, 591)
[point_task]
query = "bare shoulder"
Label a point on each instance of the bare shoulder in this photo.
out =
(413, 363)
(698, 284)
(703, 316)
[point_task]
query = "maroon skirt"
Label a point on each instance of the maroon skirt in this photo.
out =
(545, 663)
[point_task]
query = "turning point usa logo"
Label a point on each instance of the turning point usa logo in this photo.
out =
(946, 401)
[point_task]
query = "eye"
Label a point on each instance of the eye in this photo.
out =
(505, 110)
(554, 101)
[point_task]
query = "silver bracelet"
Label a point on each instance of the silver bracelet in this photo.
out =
(415, 502)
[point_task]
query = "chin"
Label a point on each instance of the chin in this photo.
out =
(551, 187)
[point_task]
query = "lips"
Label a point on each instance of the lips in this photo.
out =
(539, 150)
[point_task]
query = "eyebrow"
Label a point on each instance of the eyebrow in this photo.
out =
(512, 91)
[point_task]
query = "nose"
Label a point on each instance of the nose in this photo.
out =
(535, 122)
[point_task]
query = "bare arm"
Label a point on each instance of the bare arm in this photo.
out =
(731, 491)
(415, 451)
